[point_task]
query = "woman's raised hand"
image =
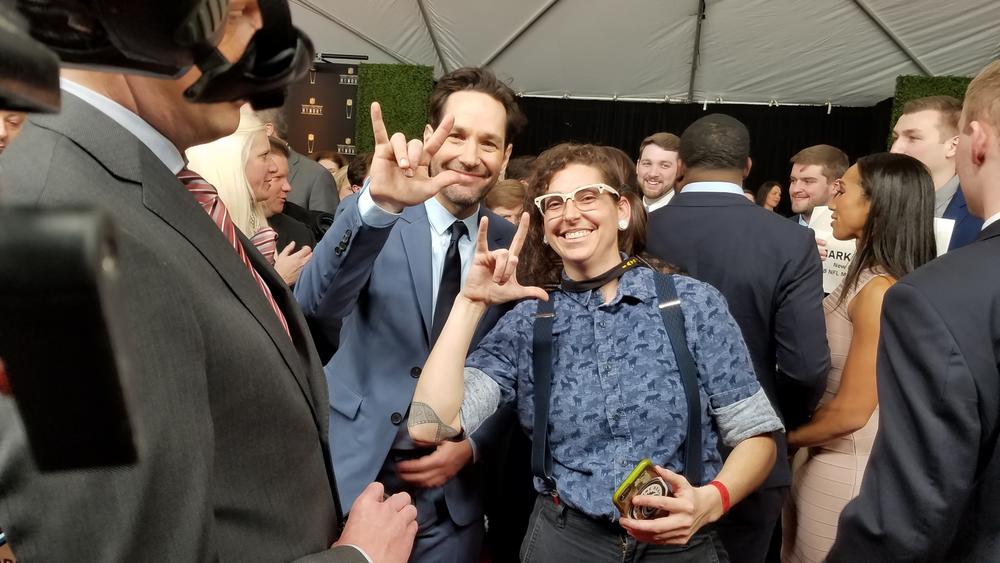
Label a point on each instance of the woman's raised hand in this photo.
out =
(492, 276)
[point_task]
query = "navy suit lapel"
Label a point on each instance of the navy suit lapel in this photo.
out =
(498, 234)
(956, 207)
(416, 235)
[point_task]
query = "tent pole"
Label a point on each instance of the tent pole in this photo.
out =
(320, 12)
(892, 36)
(520, 31)
(696, 50)
(430, 31)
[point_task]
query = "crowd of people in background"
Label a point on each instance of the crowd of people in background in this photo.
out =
(460, 299)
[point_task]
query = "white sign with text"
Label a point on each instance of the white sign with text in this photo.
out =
(839, 253)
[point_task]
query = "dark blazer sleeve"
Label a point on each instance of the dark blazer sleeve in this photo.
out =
(926, 453)
(342, 263)
(802, 353)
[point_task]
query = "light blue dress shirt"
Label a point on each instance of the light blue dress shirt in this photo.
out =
(440, 220)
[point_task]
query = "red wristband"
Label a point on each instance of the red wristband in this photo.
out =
(724, 493)
(4, 382)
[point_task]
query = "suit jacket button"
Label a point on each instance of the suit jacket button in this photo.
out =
(396, 418)
(415, 372)
(338, 251)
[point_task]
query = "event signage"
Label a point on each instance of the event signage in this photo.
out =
(320, 109)
(839, 253)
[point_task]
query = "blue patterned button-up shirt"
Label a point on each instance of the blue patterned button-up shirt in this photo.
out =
(617, 395)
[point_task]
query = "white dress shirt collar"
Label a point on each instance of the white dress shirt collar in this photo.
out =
(713, 187)
(654, 204)
(992, 219)
(441, 219)
(147, 135)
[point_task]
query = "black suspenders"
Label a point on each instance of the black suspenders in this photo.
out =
(673, 321)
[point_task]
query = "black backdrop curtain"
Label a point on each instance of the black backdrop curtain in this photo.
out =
(776, 133)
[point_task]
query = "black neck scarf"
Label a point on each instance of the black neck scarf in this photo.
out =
(573, 286)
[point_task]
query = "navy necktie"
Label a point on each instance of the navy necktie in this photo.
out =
(451, 280)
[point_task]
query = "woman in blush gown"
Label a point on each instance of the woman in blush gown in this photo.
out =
(886, 203)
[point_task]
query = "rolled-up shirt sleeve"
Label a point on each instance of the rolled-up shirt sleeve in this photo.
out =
(737, 403)
(482, 399)
(493, 368)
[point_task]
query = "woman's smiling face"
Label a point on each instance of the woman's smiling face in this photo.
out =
(587, 239)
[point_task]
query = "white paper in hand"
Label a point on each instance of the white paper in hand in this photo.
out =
(839, 253)
(942, 233)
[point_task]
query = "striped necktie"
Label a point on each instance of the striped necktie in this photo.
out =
(205, 194)
(266, 241)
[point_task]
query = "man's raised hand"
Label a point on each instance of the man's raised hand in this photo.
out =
(400, 175)
(492, 276)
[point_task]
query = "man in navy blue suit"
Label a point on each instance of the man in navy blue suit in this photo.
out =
(769, 271)
(395, 250)
(928, 131)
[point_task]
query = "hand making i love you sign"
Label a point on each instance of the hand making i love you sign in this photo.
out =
(492, 277)
(400, 170)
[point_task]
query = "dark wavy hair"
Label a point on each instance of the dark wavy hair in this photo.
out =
(540, 265)
(477, 79)
(898, 235)
(763, 191)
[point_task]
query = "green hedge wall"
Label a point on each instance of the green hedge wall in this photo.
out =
(402, 91)
(911, 87)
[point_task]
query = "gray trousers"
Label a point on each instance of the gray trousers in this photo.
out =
(560, 533)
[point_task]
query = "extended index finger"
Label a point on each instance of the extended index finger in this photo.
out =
(437, 139)
(520, 235)
(481, 245)
(378, 126)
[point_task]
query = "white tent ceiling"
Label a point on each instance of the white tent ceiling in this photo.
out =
(846, 52)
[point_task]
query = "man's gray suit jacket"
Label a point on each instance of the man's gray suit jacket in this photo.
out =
(229, 412)
(313, 186)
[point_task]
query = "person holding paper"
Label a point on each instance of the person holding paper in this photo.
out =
(810, 183)
(886, 203)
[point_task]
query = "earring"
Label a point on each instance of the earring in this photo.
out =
(545, 240)
(622, 225)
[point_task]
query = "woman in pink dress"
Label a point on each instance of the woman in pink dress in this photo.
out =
(886, 203)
